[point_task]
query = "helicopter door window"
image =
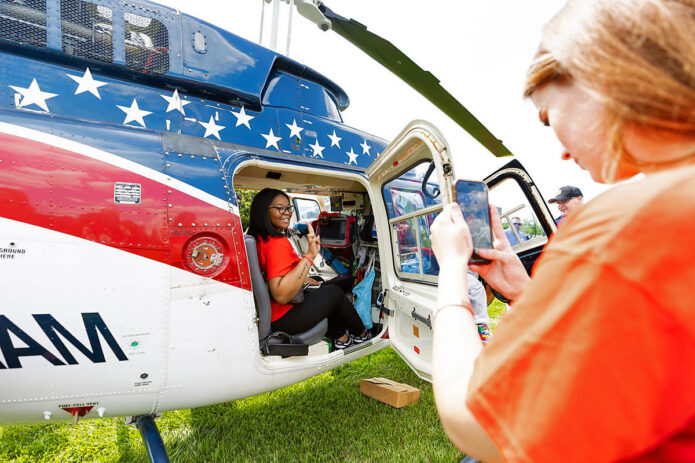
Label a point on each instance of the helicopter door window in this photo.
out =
(308, 210)
(23, 21)
(146, 44)
(411, 212)
(87, 30)
(521, 225)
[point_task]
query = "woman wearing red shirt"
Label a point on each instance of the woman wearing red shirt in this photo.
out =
(287, 273)
(596, 361)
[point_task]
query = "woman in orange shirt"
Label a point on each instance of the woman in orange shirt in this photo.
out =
(596, 361)
(287, 274)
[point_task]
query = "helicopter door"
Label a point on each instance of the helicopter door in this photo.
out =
(410, 183)
(525, 216)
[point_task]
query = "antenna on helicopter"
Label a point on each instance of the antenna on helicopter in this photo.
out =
(275, 24)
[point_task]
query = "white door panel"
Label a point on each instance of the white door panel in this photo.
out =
(403, 212)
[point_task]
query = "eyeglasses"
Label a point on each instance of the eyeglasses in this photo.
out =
(517, 224)
(283, 209)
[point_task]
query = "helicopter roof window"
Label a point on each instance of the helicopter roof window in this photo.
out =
(87, 30)
(146, 44)
(23, 21)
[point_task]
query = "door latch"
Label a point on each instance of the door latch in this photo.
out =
(425, 321)
(380, 305)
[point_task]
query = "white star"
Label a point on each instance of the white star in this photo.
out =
(33, 95)
(211, 128)
(353, 157)
(318, 149)
(335, 139)
(87, 84)
(242, 118)
(271, 140)
(294, 129)
(365, 148)
(134, 113)
(175, 102)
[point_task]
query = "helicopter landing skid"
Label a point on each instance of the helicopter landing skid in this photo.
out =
(151, 437)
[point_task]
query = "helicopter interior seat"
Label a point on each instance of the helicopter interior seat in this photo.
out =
(262, 298)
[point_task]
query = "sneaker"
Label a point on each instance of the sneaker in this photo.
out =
(360, 339)
(484, 333)
(340, 345)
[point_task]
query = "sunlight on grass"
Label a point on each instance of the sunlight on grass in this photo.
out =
(322, 419)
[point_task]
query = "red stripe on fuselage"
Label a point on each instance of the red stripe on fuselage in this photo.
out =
(70, 193)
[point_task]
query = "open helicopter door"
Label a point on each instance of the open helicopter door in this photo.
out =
(410, 183)
(518, 201)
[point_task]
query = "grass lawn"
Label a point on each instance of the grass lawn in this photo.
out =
(322, 419)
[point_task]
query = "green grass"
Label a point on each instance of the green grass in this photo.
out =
(322, 419)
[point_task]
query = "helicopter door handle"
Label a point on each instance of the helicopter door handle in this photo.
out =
(425, 321)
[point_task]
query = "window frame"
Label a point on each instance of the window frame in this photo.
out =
(296, 207)
(420, 277)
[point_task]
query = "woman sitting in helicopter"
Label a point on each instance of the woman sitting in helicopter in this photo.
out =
(287, 274)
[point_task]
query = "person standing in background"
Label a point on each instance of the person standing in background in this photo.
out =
(568, 199)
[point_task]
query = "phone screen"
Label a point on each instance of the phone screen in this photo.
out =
(471, 196)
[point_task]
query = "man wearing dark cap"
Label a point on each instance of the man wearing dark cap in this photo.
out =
(568, 198)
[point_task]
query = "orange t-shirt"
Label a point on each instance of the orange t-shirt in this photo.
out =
(276, 257)
(596, 363)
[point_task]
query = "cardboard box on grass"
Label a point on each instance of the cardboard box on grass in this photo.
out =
(390, 392)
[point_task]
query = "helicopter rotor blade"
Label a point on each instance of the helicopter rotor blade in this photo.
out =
(424, 82)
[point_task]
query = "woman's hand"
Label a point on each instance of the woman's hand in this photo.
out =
(312, 282)
(505, 273)
(451, 240)
(314, 244)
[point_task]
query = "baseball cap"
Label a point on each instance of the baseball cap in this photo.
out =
(565, 193)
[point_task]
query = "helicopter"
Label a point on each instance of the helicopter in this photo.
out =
(127, 130)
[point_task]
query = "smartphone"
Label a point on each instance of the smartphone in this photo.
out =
(472, 198)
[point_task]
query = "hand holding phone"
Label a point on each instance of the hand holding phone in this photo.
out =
(472, 198)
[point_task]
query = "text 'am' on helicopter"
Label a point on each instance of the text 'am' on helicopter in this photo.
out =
(127, 285)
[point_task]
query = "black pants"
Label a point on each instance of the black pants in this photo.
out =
(325, 302)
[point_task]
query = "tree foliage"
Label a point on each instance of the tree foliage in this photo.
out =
(244, 198)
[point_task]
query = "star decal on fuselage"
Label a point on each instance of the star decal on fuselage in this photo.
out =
(86, 83)
(295, 129)
(175, 102)
(211, 128)
(33, 95)
(242, 118)
(335, 139)
(365, 148)
(134, 113)
(318, 149)
(271, 140)
(352, 157)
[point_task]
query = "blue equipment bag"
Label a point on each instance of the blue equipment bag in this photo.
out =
(363, 293)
